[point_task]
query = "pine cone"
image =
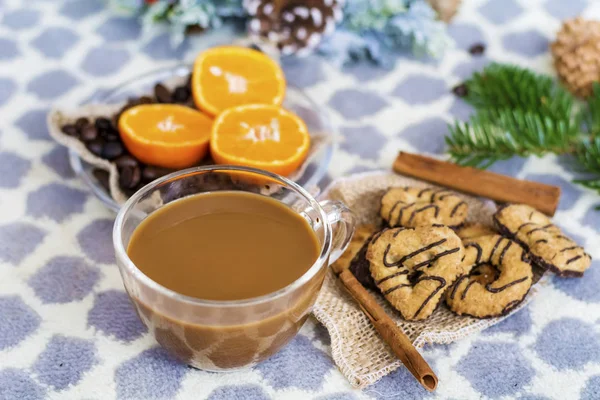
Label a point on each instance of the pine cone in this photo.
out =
(576, 53)
(294, 26)
(445, 8)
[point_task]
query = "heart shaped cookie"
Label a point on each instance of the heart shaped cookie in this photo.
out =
(413, 267)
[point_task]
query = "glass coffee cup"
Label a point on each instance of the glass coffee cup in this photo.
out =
(225, 335)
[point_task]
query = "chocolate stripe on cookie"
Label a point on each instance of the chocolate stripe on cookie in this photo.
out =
(398, 231)
(501, 288)
(435, 258)
(510, 306)
(415, 212)
(401, 213)
(495, 248)
(442, 283)
(377, 235)
(422, 249)
(396, 204)
(462, 278)
(408, 256)
(390, 290)
(573, 259)
(531, 214)
(541, 241)
(438, 192)
(456, 207)
(569, 248)
(563, 237)
(541, 228)
(504, 252)
(442, 197)
(424, 191)
(479, 251)
(523, 226)
(464, 294)
(405, 272)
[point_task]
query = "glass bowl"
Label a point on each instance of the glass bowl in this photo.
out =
(296, 100)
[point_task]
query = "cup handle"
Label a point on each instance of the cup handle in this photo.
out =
(342, 222)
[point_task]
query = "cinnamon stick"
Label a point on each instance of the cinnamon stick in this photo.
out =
(494, 186)
(389, 331)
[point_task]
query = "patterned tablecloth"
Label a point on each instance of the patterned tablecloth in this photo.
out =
(67, 329)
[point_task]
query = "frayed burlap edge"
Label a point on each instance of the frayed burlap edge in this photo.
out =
(349, 355)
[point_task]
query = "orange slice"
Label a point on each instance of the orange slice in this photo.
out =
(260, 136)
(166, 135)
(230, 76)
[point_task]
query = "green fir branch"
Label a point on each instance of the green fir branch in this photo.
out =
(521, 113)
(505, 86)
(518, 113)
(503, 133)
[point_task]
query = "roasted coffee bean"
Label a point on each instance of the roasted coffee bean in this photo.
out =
(126, 160)
(69, 129)
(110, 135)
(146, 100)
(81, 123)
(162, 94)
(181, 94)
(461, 90)
(112, 150)
(129, 177)
(102, 177)
(88, 133)
(151, 172)
(103, 124)
(477, 49)
(96, 146)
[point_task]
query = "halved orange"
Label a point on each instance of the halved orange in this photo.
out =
(230, 76)
(260, 136)
(166, 135)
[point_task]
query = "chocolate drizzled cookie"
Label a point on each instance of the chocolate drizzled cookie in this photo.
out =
(499, 277)
(413, 267)
(412, 207)
(547, 244)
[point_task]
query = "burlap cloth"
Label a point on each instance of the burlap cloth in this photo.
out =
(356, 347)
